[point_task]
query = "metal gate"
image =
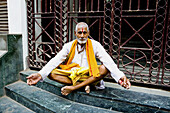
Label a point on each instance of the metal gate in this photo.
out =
(131, 31)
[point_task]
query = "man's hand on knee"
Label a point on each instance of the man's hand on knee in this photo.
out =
(33, 78)
(124, 82)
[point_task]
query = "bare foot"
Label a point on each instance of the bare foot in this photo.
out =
(67, 90)
(87, 89)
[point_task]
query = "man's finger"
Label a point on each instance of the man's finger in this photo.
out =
(120, 82)
(30, 76)
(129, 84)
(29, 82)
(125, 79)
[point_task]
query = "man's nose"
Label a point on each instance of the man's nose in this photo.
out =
(82, 34)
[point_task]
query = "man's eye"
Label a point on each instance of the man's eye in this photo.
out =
(79, 32)
(84, 32)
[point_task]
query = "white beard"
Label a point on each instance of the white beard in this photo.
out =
(80, 41)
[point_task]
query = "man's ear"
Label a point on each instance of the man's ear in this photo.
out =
(89, 32)
(75, 33)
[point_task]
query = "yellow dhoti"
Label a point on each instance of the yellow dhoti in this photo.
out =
(74, 72)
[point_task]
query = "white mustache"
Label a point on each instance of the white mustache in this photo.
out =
(81, 40)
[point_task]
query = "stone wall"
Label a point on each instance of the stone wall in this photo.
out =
(11, 59)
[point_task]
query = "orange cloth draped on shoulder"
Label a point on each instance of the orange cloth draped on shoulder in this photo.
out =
(93, 68)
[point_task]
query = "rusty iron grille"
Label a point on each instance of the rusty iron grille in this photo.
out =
(131, 31)
(136, 42)
(47, 27)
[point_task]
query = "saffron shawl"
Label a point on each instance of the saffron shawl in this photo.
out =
(93, 67)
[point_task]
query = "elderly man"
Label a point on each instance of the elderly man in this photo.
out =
(76, 66)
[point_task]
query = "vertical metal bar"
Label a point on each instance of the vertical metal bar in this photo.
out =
(43, 48)
(138, 4)
(70, 30)
(147, 5)
(166, 2)
(161, 37)
(55, 37)
(33, 20)
(50, 6)
(41, 6)
(37, 5)
(61, 7)
(33, 34)
(111, 27)
(28, 25)
(91, 5)
(134, 61)
(79, 5)
(98, 5)
(120, 34)
(68, 7)
(57, 4)
(104, 22)
(85, 5)
(45, 5)
(130, 3)
(166, 49)
(150, 68)
(73, 5)
(99, 28)
(71, 27)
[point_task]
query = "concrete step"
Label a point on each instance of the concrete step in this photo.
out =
(8, 105)
(113, 98)
(42, 101)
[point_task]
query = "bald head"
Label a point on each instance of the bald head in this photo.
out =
(82, 24)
